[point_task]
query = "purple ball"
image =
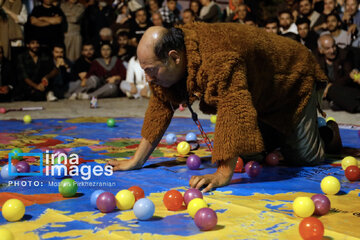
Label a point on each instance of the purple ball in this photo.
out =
(22, 167)
(193, 162)
(191, 194)
(205, 219)
(106, 202)
(252, 169)
(322, 204)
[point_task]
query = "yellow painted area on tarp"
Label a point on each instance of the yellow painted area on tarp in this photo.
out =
(89, 120)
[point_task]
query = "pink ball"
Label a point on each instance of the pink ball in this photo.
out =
(272, 159)
(2, 110)
(106, 202)
(191, 194)
(193, 162)
(205, 219)
(322, 204)
(252, 169)
(22, 167)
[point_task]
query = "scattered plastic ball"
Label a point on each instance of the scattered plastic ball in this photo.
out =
(348, 161)
(330, 185)
(5, 172)
(322, 204)
(213, 119)
(191, 137)
(138, 192)
(68, 187)
(239, 165)
(58, 171)
(303, 206)
(27, 119)
(144, 209)
(352, 173)
(94, 197)
(183, 148)
(17, 152)
(330, 119)
(205, 219)
(22, 167)
(321, 122)
(252, 169)
(193, 162)
(171, 138)
(111, 122)
(195, 205)
(272, 159)
(6, 234)
(191, 194)
(173, 200)
(106, 202)
(311, 228)
(59, 156)
(125, 199)
(13, 210)
(2, 110)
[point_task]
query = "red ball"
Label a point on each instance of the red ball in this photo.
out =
(239, 165)
(137, 191)
(311, 228)
(322, 204)
(352, 173)
(2, 110)
(272, 159)
(173, 200)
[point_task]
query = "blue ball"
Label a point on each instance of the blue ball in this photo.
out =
(191, 137)
(321, 122)
(58, 171)
(171, 138)
(144, 209)
(5, 172)
(94, 197)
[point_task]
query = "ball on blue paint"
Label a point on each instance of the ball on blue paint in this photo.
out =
(17, 152)
(171, 138)
(321, 122)
(94, 197)
(191, 137)
(111, 122)
(144, 209)
(5, 172)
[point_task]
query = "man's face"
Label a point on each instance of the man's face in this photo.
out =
(153, 5)
(250, 23)
(351, 7)
(303, 30)
(141, 17)
(33, 46)
(187, 17)
(332, 23)
(156, 19)
(285, 20)
(328, 48)
(329, 5)
(58, 52)
(305, 7)
(88, 51)
(105, 51)
(122, 40)
(48, 2)
(194, 6)
(171, 5)
(242, 12)
(272, 28)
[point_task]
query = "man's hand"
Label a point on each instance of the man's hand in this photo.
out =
(133, 89)
(4, 90)
(112, 79)
(144, 92)
(124, 165)
(83, 82)
(326, 90)
(40, 87)
(44, 81)
(352, 29)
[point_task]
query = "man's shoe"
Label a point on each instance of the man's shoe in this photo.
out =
(50, 97)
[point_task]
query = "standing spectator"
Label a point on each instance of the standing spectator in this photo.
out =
(342, 38)
(239, 14)
(330, 6)
(35, 69)
(138, 26)
(231, 10)
(6, 78)
(169, 13)
(286, 22)
(47, 24)
(195, 6)
(351, 17)
(306, 10)
(210, 11)
(188, 16)
(307, 37)
(153, 7)
(11, 25)
(272, 25)
(73, 11)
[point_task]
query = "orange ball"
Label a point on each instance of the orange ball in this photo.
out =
(137, 191)
(173, 200)
(311, 228)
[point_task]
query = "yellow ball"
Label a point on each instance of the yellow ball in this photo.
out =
(13, 210)
(6, 234)
(195, 205)
(183, 148)
(303, 206)
(330, 118)
(213, 119)
(27, 119)
(348, 161)
(330, 185)
(125, 199)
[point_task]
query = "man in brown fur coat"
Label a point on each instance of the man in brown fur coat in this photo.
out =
(257, 83)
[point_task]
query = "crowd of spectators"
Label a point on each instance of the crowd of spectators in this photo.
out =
(79, 49)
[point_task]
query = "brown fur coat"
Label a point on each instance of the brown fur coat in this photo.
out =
(243, 74)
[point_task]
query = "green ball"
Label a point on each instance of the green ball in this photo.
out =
(111, 122)
(16, 152)
(68, 187)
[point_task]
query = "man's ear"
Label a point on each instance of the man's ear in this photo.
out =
(175, 56)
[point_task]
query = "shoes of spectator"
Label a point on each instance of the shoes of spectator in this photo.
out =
(83, 96)
(73, 96)
(50, 97)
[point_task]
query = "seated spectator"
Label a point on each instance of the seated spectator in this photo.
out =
(157, 19)
(250, 20)
(272, 25)
(343, 89)
(238, 15)
(286, 22)
(135, 85)
(106, 35)
(342, 38)
(307, 37)
(124, 15)
(330, 6)
(104, 76)
(195, 6)
(48, 24)
(188, 16)
(7, 80)
(124, 51)
(210, 12)
(306, 10)
(351, 17)
(170, 14)
(138, 26)
(35, 69)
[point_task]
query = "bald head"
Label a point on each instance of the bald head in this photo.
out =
(327, 47)
(148, 41)
(326, 39)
